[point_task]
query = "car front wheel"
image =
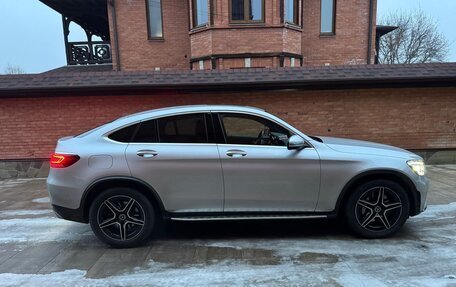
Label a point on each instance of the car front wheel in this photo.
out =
(122, 217)
(377, 209)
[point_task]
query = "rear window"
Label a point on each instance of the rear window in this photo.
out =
(147, 133)
(124, 135)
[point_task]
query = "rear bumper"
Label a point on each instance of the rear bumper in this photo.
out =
(70, 214)
(64, 190)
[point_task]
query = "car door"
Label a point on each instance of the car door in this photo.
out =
(260, 173)
(176, 157)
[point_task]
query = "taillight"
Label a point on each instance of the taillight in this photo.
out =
(59, 160)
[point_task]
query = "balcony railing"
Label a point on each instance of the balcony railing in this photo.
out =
(89, 53)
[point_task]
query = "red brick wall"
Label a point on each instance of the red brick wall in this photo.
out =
(410, 118)
(230, 38)
(245, 40)
(262, 62)
(239, 63)
(348, 46)
(137, 52)
(207, 65)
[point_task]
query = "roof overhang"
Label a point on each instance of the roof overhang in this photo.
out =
(382, 30)
(75, 82)
(91, 15)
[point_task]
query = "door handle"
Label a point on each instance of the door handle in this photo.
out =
(236, 153)
(146, 153)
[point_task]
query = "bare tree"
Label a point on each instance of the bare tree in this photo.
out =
(417, 40)
(13, 70)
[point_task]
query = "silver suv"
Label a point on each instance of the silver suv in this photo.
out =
(227, 163)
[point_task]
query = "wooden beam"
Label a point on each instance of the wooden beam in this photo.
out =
(91, 15)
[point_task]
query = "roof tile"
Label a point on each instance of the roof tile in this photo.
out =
(83, 77)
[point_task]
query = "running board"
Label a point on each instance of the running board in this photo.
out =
(246, 217)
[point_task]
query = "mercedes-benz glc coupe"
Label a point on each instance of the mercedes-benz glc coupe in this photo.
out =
(227, 163)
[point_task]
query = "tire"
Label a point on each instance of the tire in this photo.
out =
(122, 217)
(377, 209)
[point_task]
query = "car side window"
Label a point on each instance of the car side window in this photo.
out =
(124, 135)
(147, 132)
(252, 130)
(189, 128)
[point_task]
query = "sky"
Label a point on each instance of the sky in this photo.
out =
(443, 11)
(32, 36)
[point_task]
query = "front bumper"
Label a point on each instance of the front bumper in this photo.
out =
(422, 188)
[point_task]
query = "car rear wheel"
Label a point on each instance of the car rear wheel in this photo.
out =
(122, 217)
(377, 209)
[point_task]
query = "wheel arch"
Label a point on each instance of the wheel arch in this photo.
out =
(370, 175)
(119, 181)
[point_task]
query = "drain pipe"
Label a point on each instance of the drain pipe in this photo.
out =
(116, 38)
(371, 27)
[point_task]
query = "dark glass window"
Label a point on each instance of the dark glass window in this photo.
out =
(251, 130)
(237, 10)
(154, 17)
(183, 129)
(292, 11)
(124, 135)
(200, 12)
(328, 15)
(247, 10)
(147, 132)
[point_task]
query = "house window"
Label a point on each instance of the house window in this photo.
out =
(292, 11)
(247, 10)
(200, 12)
(328, 17)
(154, 18)
(247, 62)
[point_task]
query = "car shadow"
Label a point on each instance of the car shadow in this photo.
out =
(294, 228)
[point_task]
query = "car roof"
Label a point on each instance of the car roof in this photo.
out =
(141, 116)
(188, 108)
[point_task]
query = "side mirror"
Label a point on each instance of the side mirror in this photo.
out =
(296, 143)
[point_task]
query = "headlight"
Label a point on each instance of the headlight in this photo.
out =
(417, 166)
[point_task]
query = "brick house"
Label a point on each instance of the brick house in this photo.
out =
(311, 62)
(221, 34)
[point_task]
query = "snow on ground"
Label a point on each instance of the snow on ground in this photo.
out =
(42, 200)
(423, 255)
(40, 229)
(24, 212)
(9, 183)
(50, 228)
(429, 232)
(223, 274)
